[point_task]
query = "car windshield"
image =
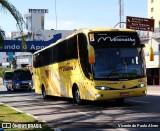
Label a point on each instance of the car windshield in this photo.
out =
(118, 63)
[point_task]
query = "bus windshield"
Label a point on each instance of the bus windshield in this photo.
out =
(23, 75)
(118, 63)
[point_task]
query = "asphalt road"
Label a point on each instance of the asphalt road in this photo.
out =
(62, 114)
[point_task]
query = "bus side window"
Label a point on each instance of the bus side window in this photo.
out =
(62, 51)
(83, 53)
(72, 48)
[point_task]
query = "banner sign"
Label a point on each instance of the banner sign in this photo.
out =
(39, 11)
(138, 23)
(32, 46)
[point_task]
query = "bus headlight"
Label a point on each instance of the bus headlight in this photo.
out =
(30, 85)
(101, 88)
(17, 85)
(141, 85)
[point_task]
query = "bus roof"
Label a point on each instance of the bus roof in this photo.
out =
(86, 30)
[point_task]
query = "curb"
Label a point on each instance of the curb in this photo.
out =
(55, 129)
(23, 112)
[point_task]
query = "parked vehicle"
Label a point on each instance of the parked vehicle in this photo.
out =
(18, 79)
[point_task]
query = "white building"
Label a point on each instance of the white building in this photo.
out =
(153, 39)
(3, 60)
(35, 20)
(35, 26)
(153, 11)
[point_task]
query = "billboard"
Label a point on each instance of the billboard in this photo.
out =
(32, 46)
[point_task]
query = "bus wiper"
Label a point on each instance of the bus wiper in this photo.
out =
(133, 75)
(114, 73)
(122, 75)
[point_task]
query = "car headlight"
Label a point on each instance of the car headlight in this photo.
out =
(141, 85)
(102, 88)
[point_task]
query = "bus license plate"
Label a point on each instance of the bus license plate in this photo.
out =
(124, 93)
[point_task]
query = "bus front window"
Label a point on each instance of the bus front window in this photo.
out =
(118, 63)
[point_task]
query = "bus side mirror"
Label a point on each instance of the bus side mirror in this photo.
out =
(91, 55)
(151, 52)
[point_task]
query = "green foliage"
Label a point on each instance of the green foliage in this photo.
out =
(9, 115)
(2, 35)
(3, 70)
(6, 69)
(6, 5)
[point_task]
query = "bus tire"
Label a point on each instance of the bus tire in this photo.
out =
(76, 96)
(44, 93)
(8, 89)
(29, 89)
(14, 89)
(120, 100)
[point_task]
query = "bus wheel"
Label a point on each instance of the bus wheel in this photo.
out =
(120, 100)
(76, 96)
(14, 89)
(44, 93)
(8, 89)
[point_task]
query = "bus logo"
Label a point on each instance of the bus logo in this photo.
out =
(66, 68)
(117, 39)
(124, 86)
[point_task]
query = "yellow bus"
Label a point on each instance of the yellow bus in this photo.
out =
(92, 64)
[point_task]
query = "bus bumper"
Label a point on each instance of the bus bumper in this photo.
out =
(116, 94)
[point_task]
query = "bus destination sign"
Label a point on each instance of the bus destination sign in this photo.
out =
(138, 23)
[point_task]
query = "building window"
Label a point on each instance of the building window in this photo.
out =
(152, 17)
(152, 1)
(152, 9)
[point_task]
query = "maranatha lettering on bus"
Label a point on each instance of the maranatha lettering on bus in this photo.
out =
(117, 39)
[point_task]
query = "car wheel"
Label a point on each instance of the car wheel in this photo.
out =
(8, 89)
(29, 89)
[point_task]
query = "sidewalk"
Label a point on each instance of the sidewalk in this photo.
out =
(1, 80)
(153, 89)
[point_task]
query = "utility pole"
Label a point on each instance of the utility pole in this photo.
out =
(121, 13)
(56, 13)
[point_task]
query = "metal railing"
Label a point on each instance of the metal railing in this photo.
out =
(146, 35)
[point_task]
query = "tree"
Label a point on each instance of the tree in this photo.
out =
(5, 5)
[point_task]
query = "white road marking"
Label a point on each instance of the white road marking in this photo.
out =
(121, 129)
(139, 101)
